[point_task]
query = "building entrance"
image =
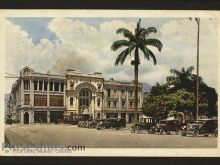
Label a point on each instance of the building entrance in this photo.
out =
(26, 118)
(40, 116)
(84, 98)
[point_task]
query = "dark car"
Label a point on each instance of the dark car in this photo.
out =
(117, 123)
(204, 127)
(144, 125)
(93, 123)
(167, 127)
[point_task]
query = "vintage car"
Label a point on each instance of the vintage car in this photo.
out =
(92, 123)
(117, 123)
(203, 127)
(166, 127)
(144, 125)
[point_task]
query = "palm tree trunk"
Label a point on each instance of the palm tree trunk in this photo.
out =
(136, 63)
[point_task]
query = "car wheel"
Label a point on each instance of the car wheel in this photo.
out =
(138, 130)
(183, 134)
(161, 132)
(102, 127)
(132, 130)
(196, 133)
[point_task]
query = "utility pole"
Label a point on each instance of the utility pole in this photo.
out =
(197, 71)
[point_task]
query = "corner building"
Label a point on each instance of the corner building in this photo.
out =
(47, 97)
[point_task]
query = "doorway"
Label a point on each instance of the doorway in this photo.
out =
(26, 118)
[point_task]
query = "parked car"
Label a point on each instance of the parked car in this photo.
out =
(144, 125)
(117, 123)
(166, 127)
(204, 127)
(93, 123)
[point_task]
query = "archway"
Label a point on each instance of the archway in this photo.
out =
(26, 118)
(85, 96)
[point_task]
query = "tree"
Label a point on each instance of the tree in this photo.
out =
(181, 78)
(136, 42)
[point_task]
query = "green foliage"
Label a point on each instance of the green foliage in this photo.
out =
(178, 94)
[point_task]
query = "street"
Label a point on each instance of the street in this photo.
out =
(70, 135)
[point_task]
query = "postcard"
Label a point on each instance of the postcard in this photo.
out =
(109, 83)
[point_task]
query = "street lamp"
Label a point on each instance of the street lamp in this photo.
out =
(197, 70)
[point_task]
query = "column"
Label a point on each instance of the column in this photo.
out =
(38, 85)
(31, 116)
(59, 87)
(42, 85)
(22, 116)
(48, 116)
(76, 104)
(48, 93)
(64, 94)
(119, 99)
(119, 115)
(31, 93)
(127, 117)
(53, 86)
(22, 92)
(141, 99)
(127, 101)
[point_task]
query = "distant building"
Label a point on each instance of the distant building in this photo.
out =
(47, 97)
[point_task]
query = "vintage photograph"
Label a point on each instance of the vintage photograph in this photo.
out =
(84, 82)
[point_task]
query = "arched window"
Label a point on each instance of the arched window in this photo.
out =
(84, 97)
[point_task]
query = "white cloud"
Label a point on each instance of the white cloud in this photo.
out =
(85, 48)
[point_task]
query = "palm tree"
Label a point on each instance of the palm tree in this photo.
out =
(181, 78)
(137, 41)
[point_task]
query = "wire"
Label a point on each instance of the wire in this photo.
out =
(11, 74)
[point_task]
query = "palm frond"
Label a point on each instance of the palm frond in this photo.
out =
(175, 72)
(190, 69)
(122, 56)
(128, 34)
(147, 31)
(154, 42)
(148, 53)
(120, 43)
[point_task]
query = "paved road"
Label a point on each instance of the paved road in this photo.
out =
(69, 135)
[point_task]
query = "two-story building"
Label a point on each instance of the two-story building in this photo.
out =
(39, 97)
(47, 97)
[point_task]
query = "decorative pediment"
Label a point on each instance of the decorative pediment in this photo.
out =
(85, 85)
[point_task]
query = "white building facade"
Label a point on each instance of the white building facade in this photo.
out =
(47, 97)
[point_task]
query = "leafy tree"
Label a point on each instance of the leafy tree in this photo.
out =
(136, 42)
(181, 78)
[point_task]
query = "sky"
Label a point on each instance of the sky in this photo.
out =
(84, 44)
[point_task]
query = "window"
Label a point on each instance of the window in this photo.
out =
(115, 104)
(123, 104)
(26, 99)
(35, 85)
(56, 86)
(56, 100)
(45, 85)
(131, 93)
(51, 86)
(131, 103)
(123, 92)
(71, 84)
(40, 100)
(84, 97)
(109, 104)
(71, 101)
(62, 86)
(98, 102)
(115, 90)
(40, 85)
(109, 92)
(26, 85)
